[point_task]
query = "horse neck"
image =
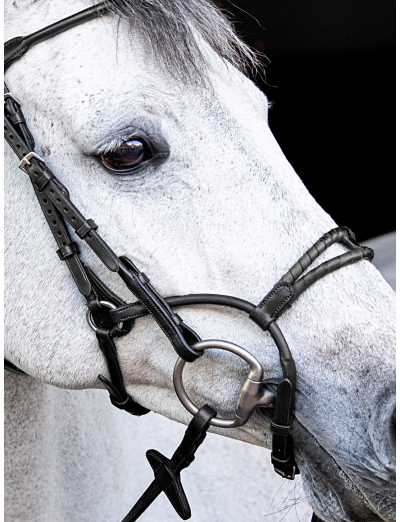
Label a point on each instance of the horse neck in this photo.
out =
(56, 443)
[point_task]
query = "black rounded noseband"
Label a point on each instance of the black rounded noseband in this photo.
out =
(111, 317)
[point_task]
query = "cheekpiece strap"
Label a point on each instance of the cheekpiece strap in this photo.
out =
(282, 455)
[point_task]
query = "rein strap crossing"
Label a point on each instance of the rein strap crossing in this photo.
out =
(110, 317)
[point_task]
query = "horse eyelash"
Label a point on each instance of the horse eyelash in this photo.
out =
(113, 144)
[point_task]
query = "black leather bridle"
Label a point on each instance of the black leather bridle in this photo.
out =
(112, 318)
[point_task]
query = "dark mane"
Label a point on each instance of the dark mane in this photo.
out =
(171, 27)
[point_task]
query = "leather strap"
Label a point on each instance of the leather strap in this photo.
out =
(135, 310)
(343, 235)
(10, 367)
(180, 335)
(13, 109)
(18, 46)
(55, 202)
(54, 220)
(282, 455)
(116, 388)
(272, 306)
(167, 471)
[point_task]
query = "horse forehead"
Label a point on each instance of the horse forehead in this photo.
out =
(97, 75)
(24, 17)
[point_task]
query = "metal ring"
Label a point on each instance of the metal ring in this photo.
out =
(89, 316)
(254, 378)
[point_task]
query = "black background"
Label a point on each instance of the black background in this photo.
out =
(331, 80)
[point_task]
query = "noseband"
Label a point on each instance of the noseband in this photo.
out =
(110, 317)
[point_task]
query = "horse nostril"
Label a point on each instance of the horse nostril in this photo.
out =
(392, 430)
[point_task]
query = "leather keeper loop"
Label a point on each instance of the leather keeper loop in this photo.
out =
(281, 463)
(283, 431)
(130, 406)
(85, 228)
(143, 278)
(43, 180)
(273, 305)
(121, 404)
(94, 305)
(261, 318)
(17, 118)
(177, 319)
(68, 251)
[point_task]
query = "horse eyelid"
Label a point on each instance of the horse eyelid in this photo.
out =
(160, 156)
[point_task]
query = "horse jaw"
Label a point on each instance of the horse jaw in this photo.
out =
(225, 214)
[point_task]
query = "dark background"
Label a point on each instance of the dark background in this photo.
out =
(331, 79)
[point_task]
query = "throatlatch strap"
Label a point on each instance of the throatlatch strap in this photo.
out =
(167, 471)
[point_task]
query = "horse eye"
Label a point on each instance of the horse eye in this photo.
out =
(129, 155)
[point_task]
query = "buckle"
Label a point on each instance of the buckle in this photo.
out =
(26, 161)
(284, 474)
(282, 431)
(9, 96)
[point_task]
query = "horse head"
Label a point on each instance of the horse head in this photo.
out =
(150, 123)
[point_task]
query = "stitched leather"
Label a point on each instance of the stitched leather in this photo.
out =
(135, 310)
(170, 483)
(284, 293)
(282, 446)
(64, 242)
(273, 305)
(68, 251)
(13, 111)
(180, 337)
(167, 471)
(85, 228)
(13, 138)
(43, 179)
